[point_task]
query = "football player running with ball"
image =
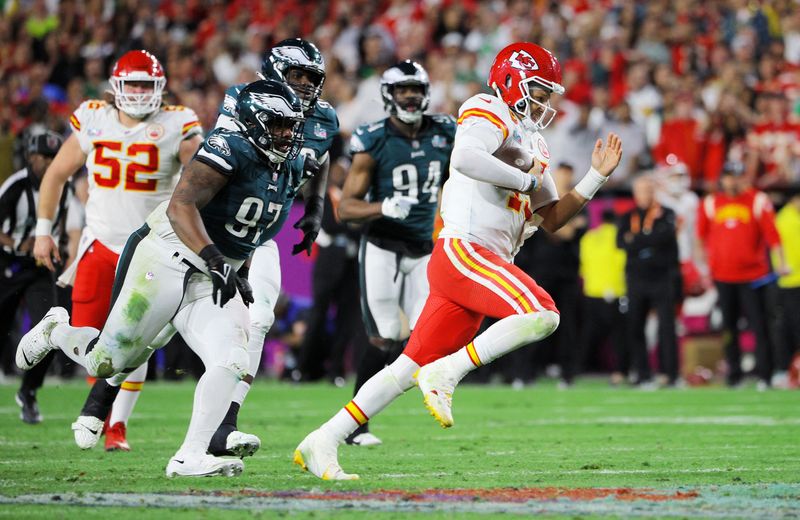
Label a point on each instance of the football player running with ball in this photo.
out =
(133, 149)
(498, 194)
(393, 186)
(180, 269)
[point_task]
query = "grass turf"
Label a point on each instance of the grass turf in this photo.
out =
(588, 436)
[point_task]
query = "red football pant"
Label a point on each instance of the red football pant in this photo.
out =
(468, 282)
(91, 293)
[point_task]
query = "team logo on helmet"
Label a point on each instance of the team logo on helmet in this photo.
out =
(523, 61)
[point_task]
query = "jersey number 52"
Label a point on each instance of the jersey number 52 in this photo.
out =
(132, 169)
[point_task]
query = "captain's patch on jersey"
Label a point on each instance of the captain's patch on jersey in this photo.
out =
(219, 144)
(154, 131)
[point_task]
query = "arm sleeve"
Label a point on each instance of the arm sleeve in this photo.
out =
(472, 156)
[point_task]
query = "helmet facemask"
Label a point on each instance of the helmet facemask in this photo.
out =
(269, 134)
(538, 113)
(137, 105)
(411, 109)
(308, 93)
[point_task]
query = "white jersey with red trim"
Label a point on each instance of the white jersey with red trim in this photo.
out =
(130, 170)
(497, 218)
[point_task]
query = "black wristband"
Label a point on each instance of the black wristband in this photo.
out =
(243, 272)
(210, 253)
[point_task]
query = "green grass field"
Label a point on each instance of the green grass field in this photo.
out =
(707, 451)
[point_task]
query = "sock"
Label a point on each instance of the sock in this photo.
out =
(212, 397)
(506, 335)
(101, 397)
(73, 341)
(240, 392)
(232, 416)
(128, 395)
(375, 395)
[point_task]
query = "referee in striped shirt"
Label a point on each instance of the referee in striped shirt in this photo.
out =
(21, 279)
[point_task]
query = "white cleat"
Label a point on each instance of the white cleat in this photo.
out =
(242, 444)
(437, 381)
(203, 465)
(35, 345)
(318, 454)
(87, 430)
(365, 439)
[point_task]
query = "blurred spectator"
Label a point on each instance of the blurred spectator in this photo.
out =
(605, 304)
(632, 134)
(648, 235)
(737, 228)
(775, 143)
(787, 222)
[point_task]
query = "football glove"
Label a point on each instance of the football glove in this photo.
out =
(310, 167)
(397, 207)
(223, 277)
(309, 224)
(243, 284)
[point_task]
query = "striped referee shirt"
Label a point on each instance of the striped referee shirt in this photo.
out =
(18, 201)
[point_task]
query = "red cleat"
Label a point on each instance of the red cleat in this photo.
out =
(115, 438)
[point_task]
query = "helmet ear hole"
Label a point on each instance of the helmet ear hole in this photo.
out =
(508, 81)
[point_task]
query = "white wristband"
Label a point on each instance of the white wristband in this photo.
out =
(590, 184)
(43, 227)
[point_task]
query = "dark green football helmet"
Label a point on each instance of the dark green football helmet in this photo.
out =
(272, 116)
(300, 54)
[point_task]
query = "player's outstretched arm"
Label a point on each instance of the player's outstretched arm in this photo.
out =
(196, 187)
(605, 159)
(69, 159)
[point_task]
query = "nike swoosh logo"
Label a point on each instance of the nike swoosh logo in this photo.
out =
(226, 271)
(93, 432)
(178, 461)
(26, 358)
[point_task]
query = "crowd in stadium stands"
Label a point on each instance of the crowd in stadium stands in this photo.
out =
(688, 85)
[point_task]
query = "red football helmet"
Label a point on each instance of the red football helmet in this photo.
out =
(520, 67)
(135, 100)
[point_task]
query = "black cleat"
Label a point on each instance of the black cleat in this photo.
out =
(29, 412)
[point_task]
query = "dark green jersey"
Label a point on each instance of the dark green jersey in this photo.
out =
(253, 205)
(320, 127)
(407, 166)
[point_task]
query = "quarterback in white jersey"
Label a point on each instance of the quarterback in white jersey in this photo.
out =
(499, 192)
(133, 150)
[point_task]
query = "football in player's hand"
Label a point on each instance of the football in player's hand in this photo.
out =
(515, 156)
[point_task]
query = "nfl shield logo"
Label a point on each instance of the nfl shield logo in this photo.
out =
(320, 132)
(438, 141)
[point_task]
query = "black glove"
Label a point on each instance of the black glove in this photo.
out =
(244, 285)
(222, 275)
(309, 224)
(310, 167)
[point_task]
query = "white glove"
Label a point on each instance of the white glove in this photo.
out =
(397, 207)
